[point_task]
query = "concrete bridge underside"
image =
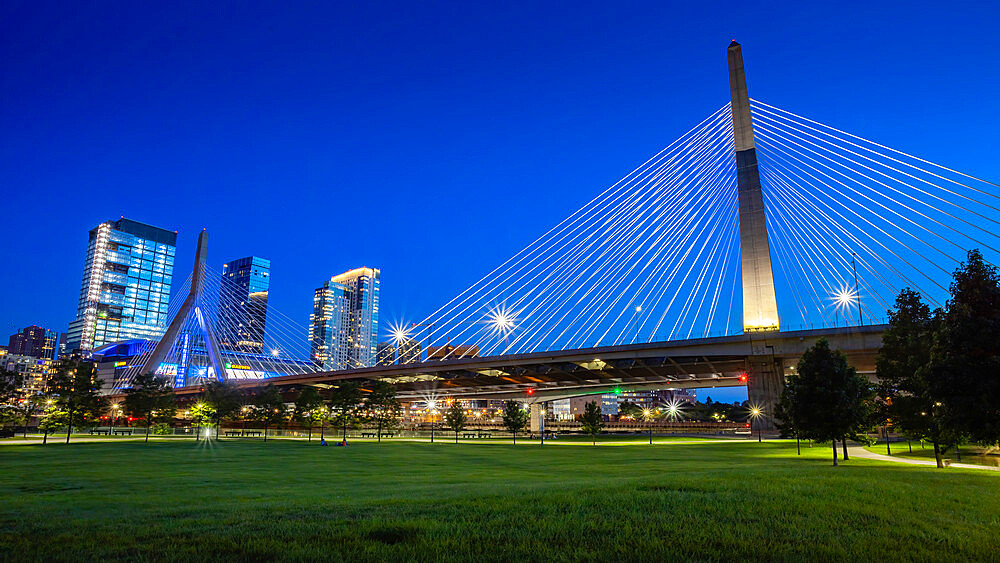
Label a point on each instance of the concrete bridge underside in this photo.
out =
(765, 358)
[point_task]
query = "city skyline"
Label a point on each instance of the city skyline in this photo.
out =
(545, 151)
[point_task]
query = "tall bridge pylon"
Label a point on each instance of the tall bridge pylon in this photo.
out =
(760, 308)
(194, 307)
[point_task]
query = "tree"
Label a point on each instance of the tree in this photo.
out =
(269, 407)
(10, 393)
(15, 408)
(344, 404)
(628, 409)
(784, 417)
(828, 400)
(965, 358)
(515, 418)
(307, 406)
(593, 420)
(151, 398)
(225, 401)
(202, 416)
(75, 391)
(903, 366)
(382, 407)
(455, 419)
(52, 419)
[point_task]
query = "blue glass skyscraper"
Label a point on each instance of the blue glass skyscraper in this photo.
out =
(243, 304)
(126, 284)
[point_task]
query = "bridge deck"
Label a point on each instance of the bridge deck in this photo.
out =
(696, 363)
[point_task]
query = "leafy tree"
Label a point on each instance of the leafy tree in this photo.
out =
(784, 417)
(225, 401)
(269, 407)
(828, 399)
(151, 398)
(515, 418)
(52, 419)
(202, 416)
(75, 390)
(344, 403)
(15, 408)
(909, 394)
(965, 358)
(382, 407)
(10, 385)
(629, 409)
(593, 420)
(307, 406)
(455, 419)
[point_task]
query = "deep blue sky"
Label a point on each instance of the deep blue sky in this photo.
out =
(431, 140)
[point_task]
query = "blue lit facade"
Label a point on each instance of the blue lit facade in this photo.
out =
(126, 285)
(118, 362)
(243, 304)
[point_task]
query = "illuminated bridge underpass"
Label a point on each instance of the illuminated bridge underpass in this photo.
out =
(546, 376)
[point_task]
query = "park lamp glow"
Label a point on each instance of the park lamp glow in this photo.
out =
(673, 409)
(845, 297)
(502, 320)
(399, 333)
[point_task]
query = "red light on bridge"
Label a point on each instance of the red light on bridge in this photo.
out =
(530, 391)
(743, 377)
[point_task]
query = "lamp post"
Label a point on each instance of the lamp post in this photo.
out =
(638, 309)
(243, 420)
(112, 417)
(857, 292)
(541, 426)
(647, 415)
(756, 413)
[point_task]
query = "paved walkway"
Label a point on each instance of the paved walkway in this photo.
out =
(858, 451)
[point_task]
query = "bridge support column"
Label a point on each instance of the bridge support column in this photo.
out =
(765, 381)
(760, 308)
(537, 419)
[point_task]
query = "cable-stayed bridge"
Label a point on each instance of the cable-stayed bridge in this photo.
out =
(716, 262)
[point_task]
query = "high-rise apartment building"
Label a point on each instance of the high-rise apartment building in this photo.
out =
(33, 341)
(35, 372)
(409, 351)
(126, 284)
(386, 354)
(343, 328)
(243, 304)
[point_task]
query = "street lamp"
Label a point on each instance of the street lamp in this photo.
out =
(112, 417)
(647, 415)
(243, 419)
(638, 309)
(857, 291)
(755, 414)
(503, 322)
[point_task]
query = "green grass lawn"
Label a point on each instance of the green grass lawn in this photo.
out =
(403, 501)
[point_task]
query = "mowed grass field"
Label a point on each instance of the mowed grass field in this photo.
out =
(293, 500)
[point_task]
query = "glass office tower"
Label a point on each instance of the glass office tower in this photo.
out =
(126, 285)
(343, 328)
(243, 304)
